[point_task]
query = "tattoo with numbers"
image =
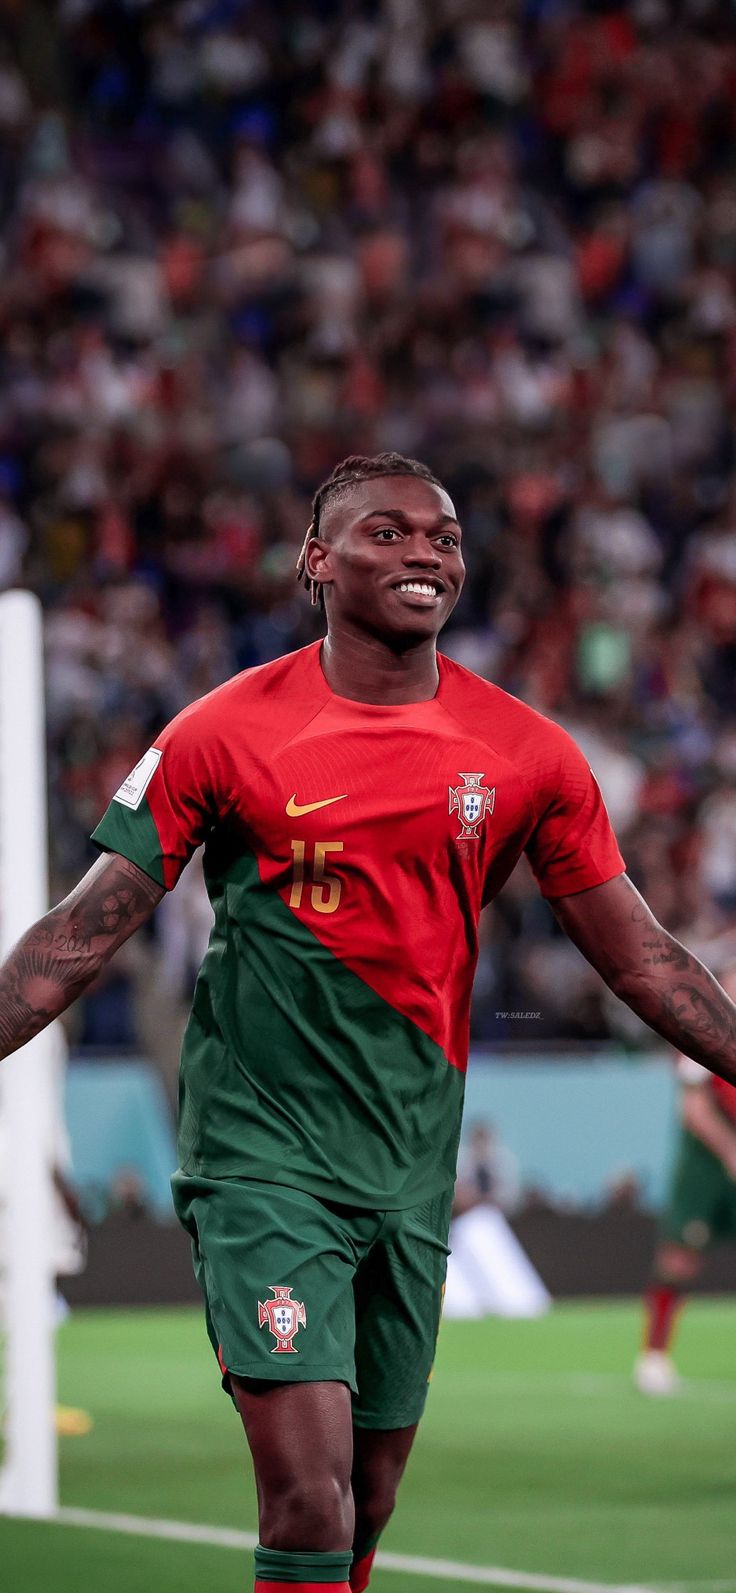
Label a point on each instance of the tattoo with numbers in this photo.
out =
(59, 956)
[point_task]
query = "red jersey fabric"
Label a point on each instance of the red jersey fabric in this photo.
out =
(411, 885)
(725, 1095)
(349, 849)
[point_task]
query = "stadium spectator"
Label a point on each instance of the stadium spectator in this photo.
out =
(241, 242)
(488, 1172)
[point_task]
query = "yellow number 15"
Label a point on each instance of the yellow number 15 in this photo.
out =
(325, 888)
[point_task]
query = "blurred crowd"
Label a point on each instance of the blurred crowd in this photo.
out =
(240, 240)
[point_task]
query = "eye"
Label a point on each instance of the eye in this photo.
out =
(385, 533)
(448, 540)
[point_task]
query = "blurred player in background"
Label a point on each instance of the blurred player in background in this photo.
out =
(488, 1273)
(701, 1209)
(360, 801)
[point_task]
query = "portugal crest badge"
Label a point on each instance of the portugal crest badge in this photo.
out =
(284, 1317)
(472, 801)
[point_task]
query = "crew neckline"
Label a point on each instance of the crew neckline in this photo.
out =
(395, 709)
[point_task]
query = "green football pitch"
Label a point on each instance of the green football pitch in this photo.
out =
(537, 1462)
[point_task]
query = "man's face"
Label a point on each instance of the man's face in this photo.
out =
(389, 557)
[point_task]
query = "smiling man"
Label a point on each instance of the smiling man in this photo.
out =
(359, 802)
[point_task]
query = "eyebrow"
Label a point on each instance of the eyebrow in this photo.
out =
(400, 514)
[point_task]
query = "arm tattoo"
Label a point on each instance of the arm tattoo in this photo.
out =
(662, 982)
(674, 993)
(59, 956)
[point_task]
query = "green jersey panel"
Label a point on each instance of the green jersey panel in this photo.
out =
(295, 1072)
(349, 848)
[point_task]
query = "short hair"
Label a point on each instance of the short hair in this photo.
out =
(357, 467)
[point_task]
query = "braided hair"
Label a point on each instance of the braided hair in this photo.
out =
(357, 467)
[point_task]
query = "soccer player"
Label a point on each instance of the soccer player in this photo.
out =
(359, 800)
(701, 1209)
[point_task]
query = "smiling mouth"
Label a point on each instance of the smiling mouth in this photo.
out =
(420, 591)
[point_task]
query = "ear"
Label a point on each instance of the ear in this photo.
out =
(318, 561)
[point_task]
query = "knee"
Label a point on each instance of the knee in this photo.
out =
(677, 1266)
(374, 1506)
(307, 1514)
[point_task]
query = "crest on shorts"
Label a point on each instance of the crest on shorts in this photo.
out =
(472, 801)
(284, 1317)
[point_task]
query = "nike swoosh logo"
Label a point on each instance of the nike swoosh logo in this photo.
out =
(296, 810)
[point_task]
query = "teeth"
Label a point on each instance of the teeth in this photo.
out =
(422, 587)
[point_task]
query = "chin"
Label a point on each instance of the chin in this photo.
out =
(396, 626)
(417, 627)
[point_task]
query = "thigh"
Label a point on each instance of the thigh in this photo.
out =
(398, 1293)
(379, 1459)
(276, 1267)
(295, 1430)
(378, 1452)
(301, 1441)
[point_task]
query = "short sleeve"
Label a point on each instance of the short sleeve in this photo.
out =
(172, 798)
(572, 846)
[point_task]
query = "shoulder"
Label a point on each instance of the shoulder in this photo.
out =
(498, 712)
(541, 750)
(248, 698)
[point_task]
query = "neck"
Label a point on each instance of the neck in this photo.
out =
(366, 669)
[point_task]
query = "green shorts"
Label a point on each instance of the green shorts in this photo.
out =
(306, 1290)
(702, 1202)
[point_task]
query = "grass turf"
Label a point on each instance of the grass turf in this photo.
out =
(535, 1454)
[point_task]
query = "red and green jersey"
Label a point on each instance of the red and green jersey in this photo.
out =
(348, 851)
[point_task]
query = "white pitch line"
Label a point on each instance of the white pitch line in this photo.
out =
(147, 1527)
(406, 1564)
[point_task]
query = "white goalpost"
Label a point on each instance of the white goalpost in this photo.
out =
(28, 1461)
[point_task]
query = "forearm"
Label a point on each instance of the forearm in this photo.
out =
(662, 982)
(674, 993)
(40, 978)
(60, 955)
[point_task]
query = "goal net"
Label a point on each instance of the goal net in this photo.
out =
(28, 1467)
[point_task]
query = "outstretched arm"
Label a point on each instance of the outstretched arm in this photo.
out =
(60, 955)
(653, 973)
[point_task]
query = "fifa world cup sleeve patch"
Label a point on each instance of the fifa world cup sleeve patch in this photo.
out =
(134, 787)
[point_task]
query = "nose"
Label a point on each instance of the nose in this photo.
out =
(419, 550)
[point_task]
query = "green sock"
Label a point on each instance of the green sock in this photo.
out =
(277, 1565)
